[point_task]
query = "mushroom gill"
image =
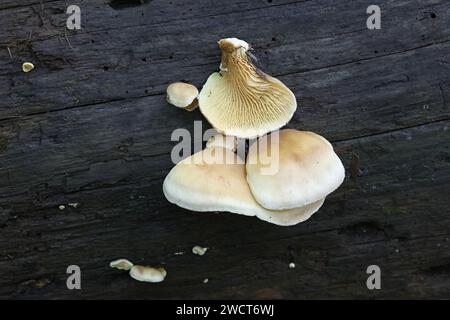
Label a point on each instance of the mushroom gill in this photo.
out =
(241, 100)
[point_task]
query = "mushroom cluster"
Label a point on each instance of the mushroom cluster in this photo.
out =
(242, 102)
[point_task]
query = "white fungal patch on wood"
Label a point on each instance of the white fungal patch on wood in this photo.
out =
(61, 207)
(199, 250)
(291, 265)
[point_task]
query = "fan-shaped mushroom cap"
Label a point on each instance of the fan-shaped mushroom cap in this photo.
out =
(182, 95)
(308, 170)
(241, 100)
(203, 182)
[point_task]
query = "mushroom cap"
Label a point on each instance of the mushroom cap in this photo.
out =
(219, 140)
(241, 100)
(121, 264)
(292, 216)
(182, 95)
(200, 183)
(148, 274)
(308, 170)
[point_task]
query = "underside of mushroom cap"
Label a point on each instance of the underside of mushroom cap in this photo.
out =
(241, 100)
(308, 169)
(199, 184)
(290, 217)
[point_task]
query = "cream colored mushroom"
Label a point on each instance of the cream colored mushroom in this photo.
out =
(205, 182)
(121, 264)
(148, 274)
(308, 170)
(182, 95)
(219, 140)
(241, 100)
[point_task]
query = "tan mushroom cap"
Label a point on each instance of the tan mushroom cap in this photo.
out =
(201, 183)
(182, 95)
(308, 170)
(241, 100)
(219, 140)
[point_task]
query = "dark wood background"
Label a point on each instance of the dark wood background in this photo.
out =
(90, 125)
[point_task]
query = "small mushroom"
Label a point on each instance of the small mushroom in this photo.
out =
(27, 66)
(241, 100)
(182, 95)
(201, 183)
(308, 170)
(121, 264)
(148, 274)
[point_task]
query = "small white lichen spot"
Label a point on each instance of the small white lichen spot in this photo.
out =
(148, 274)
(27, 66)
(179, 253)
(199, 250)
(62, 207)
(291, 265)
(121, 264)
(206, 280)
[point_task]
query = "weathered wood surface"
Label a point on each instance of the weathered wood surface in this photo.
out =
(90, 125)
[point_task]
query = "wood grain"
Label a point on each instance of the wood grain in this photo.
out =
(90, 125)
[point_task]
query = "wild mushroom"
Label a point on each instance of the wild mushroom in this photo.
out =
(219, 140)
(121, 264)
(182, 95)
(308, 170)
(242, 101)
(148, 274)
(205, 182)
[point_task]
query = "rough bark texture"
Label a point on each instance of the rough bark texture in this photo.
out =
(90, 125)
